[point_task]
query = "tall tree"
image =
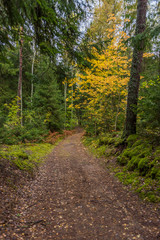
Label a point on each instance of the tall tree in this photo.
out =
(133, 86)
(19, 93)
(55, 24)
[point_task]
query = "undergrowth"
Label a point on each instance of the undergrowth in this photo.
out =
(26, 157)
(137, 163)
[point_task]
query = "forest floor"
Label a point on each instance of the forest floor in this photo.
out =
(74, 197)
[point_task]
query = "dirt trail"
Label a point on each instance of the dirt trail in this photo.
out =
(73, 197)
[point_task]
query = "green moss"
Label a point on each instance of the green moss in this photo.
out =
(143, 165)
(131, 140)
(122, 160)
(139, 163)
(151, 197)
(110, 139)
(142, 150)
(101, 150)
(138, 142)
(157, 152)
(133, 163)
(146, 187)
(125, 157)
(155, 173)
(105, 140)
(126, 153)
(118, 141)
(135, 156)
(26, 156)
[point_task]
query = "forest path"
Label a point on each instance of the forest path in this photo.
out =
(74, 197)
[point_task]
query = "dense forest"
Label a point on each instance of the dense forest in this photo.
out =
(94, 64)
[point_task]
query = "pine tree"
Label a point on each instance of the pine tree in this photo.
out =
(133, 86)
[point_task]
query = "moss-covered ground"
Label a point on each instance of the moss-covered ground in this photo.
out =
(136, 163)
(26, 157)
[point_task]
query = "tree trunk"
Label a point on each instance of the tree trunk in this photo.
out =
(133, 86)
(20, 76)
(65, 103)
(32, 70)
(118, 107)
(159, 64)
(72, 110)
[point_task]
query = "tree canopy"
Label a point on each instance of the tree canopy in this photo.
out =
(71, 61)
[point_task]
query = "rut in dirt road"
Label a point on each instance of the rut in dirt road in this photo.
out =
(73, 197)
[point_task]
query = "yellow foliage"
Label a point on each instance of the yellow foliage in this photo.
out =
(106, 80)
(145, 55)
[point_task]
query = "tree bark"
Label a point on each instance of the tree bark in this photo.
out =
(133, 86)
(159, 64)
(32, 70)
(65, 103)
(20, 76)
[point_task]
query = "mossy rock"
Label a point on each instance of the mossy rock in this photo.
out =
(122, 160)
(131, 140)
(142, 151)
(143, 165)
(133, 163)
(155, 173)
(118, 141)
(126, 153)
(138, 142)
(23, 155)
(157, 153)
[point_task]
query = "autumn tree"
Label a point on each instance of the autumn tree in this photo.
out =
(97, 34)
(101, 89)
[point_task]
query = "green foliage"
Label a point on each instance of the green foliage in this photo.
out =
(48, 100)
(131, 140)
(104, 144)
(13, 120)
(111, 139)
(149, 104)
(44, 113)
(13, 132)
(12, 128)
(43, 16)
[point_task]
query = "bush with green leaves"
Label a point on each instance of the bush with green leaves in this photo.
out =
(149, 105)
(13, 132)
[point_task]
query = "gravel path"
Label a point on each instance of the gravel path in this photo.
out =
(74, 197)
